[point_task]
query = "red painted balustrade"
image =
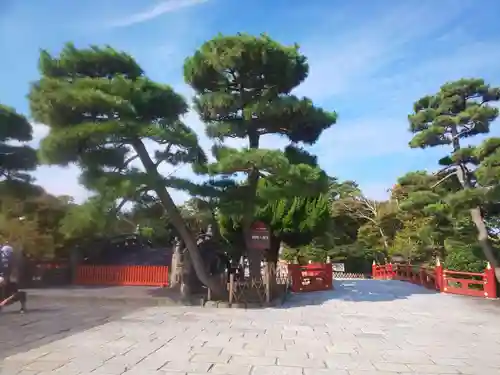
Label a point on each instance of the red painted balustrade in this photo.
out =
(477, 284)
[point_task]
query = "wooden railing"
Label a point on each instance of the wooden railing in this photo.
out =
(478, 284)
(122, 275)
(470, 283)
(311, 277)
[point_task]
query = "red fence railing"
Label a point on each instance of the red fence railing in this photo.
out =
(476, 284)
(122, 275)
(311, 277)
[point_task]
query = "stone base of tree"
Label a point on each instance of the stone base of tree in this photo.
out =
(249, 296)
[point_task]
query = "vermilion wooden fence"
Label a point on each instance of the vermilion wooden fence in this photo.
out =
(465, 283)
(122, 275)
(311, 277)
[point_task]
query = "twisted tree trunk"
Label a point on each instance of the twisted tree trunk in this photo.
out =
(176, 218)
(254, 256)
(476, 215)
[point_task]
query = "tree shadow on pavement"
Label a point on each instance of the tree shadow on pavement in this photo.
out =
(49, 321)
(358, 291)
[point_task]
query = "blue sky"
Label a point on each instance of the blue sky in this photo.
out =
(369, 61)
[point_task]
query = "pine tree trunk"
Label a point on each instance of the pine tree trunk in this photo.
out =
(254, 256)
(176, 218)
(477, 217)
(216, 235)
(186, 277)
(482, 232)
(384, 239)
(484, 240)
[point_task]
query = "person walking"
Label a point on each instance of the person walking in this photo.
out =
(10, 264)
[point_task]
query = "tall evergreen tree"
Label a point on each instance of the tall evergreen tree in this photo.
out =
(459, 111)
(15, 159)
(101, 109)
(444, 230)
(243, 90)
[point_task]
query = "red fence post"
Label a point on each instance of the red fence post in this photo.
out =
(439, 276)
(490, 285)
(390, 274)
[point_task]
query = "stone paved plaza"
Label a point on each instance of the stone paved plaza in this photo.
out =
(363, 327)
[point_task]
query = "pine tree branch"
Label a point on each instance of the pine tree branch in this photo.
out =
(120, 206)
(174, 170)
(126, 163)
(167, 151)
(467, 130)
(359, 213)
(443, 179)
(129, 160)
(443, 170)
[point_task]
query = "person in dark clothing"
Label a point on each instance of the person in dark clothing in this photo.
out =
(11, 294)
(9, 275)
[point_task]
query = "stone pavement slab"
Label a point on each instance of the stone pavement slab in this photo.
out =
(363, 327)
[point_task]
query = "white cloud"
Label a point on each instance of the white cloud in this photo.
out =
(353, 65)
(371, 70)
(378, 70)
(362, 138)
(472, 60)
(64, 180)
(344, 63)
(57, 180)
(158, 10)
(61, 181)
(385, 131)
(39, 132)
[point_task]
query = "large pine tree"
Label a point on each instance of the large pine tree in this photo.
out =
(243, 86)
(102, 109)
(16, 158)
(459, 111)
